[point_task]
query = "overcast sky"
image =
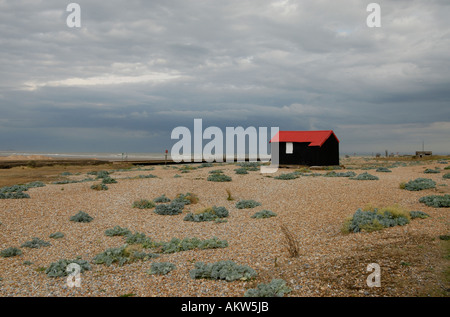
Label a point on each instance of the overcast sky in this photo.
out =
(135, 70)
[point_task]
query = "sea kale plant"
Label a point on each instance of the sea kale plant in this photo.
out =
(81, 216)
(418, 184)
(244, 204)
(222, 270)
(372, 219)
(207, 214)
(161, 268)
(264, 214)
(59, 268)
(276, 288)
(35, 243)
(437, 201)
(10, 252)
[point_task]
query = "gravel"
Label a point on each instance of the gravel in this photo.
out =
(313, 208)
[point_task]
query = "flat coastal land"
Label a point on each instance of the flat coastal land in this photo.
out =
(413, 258)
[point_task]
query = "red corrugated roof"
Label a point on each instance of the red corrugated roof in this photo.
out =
(315, 138)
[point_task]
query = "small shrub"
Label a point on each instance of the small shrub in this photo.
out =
(186, 199)
(108, 180)
(99, 187)
(431, 171)
(121, 255)
(206, 165)
(141, 239)
(143, 204)
(178, 245)
(161, 268)
(342, 174)
(117, 231)
(35, 243)
(241, 170)
(244, 204)
(14, 195)
(57, 235)
(436, 201)
(376, 219)
(365, 176)
(219, 178)
(81, 216)
(100, 174)
(276, 288)
(10, 252)
(264, 214)
(446, 176)
(287, 176)
(383, 170)
(161, 199)
(59, 268)
(207, 214)
(418, 214)
(419, 184)
(174, 208)
(222, 270)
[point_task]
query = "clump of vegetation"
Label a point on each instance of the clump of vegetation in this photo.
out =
(241, 170)
(178, 245)
(206, 165)
(418, 214)
(431, 171)
(57, 235)
(250, 203)
(418, 184)
(117, 231)
(341, 174)
(372, 219)
(35, 243)
(186, 199)
(100, 186)
(287, 176)
(162, 199)
(383, 170)
(290, 242)
(143, 204)
(108, 180)
(219, 177)
(140, 239)
(100, 174)
(446, 176)
(59, 268)
(81, 216)
(222, 270)
(365, 176)
(173, 208)
(436, 201)
(10, 252)
(161, 268)
(122, 255)
(250, 166)
(276, 288)
(14, 195)
(264, 214)
(207, 214)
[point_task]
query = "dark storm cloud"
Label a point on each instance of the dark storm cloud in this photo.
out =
(137, 69)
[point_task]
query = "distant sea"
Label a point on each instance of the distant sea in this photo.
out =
(90, 155)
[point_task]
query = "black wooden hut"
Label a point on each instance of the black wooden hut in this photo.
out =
(311, 148)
